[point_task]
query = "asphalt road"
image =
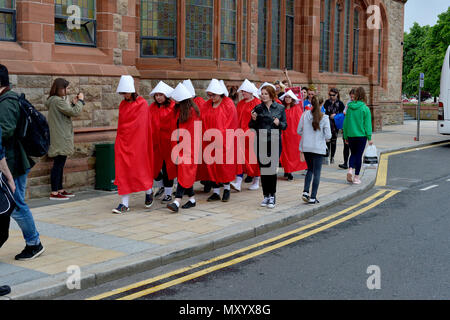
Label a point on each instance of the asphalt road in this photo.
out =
(400, 249)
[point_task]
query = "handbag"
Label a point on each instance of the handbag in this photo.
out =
(339, 120)
(7, 202)
(371, 155)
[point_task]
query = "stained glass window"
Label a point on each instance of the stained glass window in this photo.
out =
(228, 30)
(158, 28)
(7, 20)
(275, 55)
(355, 41)
(199, 29)
(289, 34)
(324, 64)
(347, 36)
(262, 30)
(75, 22)
(244, 30)
(337, 37)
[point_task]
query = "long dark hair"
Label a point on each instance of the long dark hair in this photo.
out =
(317, 113)
(58, 85)
(336, 91)
(185, 107)
(165, 103)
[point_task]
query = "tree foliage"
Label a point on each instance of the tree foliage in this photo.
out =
(424, 51)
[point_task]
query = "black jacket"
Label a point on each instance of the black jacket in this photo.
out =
(333, 108)
(266, 116)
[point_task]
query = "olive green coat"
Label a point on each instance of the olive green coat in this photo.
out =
(60, 112)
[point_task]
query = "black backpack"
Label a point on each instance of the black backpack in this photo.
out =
(32, 128)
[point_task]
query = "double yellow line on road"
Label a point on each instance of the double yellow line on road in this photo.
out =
(384, 159)
(267, 246)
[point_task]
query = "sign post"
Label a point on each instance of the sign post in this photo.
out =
(421, 85)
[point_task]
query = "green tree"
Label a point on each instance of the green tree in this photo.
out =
(424, 51)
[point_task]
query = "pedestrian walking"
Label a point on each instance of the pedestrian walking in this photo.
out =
(61, 110)
(133, 149)
(357, 131)
(290, 155)
(244, 109)
(346, 151)
(219, 115)
(19, 164)
(187, 114)
(268, 119)
(5, 217)
(314, 127)
(162, 112)
(333, 106)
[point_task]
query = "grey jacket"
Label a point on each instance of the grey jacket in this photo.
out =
(313, 141)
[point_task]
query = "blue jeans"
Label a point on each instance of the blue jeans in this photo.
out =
(314, 162)
(22, 214)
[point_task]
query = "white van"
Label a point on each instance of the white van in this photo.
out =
(444, 98)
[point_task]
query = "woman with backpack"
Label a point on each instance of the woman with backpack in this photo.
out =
(314, 127)
(357, 131)
(60, 113)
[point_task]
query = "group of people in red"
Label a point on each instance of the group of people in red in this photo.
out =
(181, 136)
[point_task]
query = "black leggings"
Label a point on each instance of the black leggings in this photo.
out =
(4, 228)
(183, 191)
(56, 174)
(165, 177)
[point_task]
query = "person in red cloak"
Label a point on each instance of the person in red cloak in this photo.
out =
(218, 114)
(163, 123)
(290, 140)
(187, 115)
(244, 110)
(133, 147)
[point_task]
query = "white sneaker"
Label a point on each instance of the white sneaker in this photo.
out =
(265, 202)
(255, 184)
(271, 203)
(236, 186)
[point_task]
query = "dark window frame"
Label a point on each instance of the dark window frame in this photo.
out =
(233, 43)
(14, 23)
(174, 39)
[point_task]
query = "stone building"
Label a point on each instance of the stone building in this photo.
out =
(328, 43)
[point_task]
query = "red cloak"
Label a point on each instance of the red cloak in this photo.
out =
(290, 142)
(187, 170)
(244, 110)
(134, 148)
(220, 118)
(164, 122)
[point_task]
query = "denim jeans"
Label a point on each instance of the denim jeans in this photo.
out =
(357, 146)
(314, 162)
(22, 214)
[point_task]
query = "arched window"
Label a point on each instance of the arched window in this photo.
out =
(347, 36)
(337, 37)
(66, 29)
(199, 29)
(289, 34)
(262, 33)
(275, 47)
(158, 28)
(7, 20)
(355, 41)
(324, 54)
(228, 43)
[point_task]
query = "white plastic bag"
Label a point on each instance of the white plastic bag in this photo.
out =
(371, 156)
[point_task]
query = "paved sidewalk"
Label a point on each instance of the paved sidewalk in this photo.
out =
(84, 232)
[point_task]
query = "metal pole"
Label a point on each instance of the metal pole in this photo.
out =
(418, 107)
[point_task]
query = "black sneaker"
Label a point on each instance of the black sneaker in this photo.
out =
(172, 206)
(121, 209)
(305, 197)
(226, 195)
(30, 252)
(213, 197)
(166, 199)
(188, 205)
(4, 290)
(148, 200)
(159, 192)
(248, 179)
(343, 166)
(290, 177)
(313, 201)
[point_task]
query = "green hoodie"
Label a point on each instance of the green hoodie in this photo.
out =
(358, 121)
